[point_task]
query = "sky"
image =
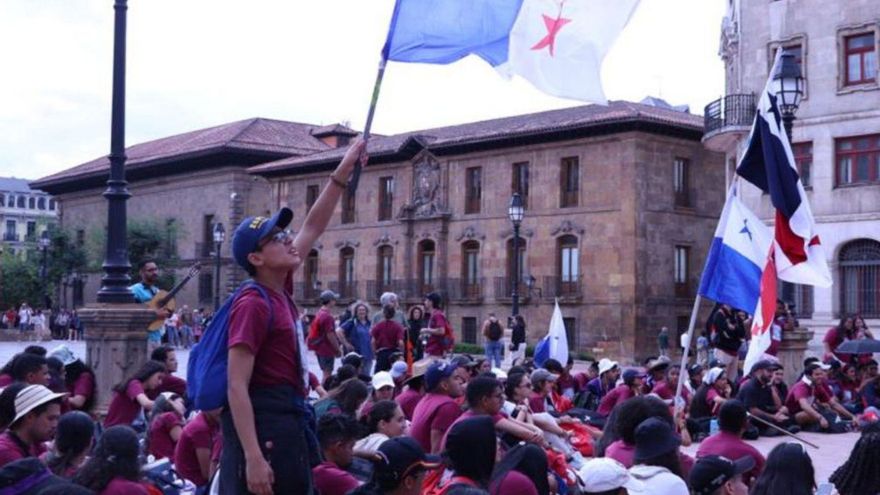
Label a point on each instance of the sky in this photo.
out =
(193, 64)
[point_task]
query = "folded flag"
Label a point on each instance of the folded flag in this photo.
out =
(557, 45)
(737, 256)
(768, 163)
(555, 344)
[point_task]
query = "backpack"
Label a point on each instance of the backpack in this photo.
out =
(314, 338)
(206, 370)
(448, 338)
(494, 332)
(432, 482)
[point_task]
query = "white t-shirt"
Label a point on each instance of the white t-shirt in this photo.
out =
(371, 442)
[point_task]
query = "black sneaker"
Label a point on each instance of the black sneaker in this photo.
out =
(793, 429)
(771, 432)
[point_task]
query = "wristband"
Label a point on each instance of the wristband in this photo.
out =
(338, 181)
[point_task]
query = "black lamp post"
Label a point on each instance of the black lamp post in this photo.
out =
(219, 237)
(515, 213)
(115, 282)
(44, 272)
(788, 86)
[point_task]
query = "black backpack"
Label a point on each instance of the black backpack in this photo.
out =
(495, 331)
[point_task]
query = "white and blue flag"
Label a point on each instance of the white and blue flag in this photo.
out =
(555, 344)
(737, 257)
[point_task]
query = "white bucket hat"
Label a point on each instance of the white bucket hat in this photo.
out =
(32, 397)
(63, 354)
(606, 364)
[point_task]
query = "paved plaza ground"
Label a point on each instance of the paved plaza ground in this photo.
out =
(833, 451)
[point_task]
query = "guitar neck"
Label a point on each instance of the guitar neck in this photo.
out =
(177, 288)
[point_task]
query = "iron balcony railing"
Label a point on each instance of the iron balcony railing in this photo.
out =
(731, 110)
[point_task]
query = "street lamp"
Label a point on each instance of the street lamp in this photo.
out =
(515, 213)
(44, 247)
(788, 86)
(219, 236)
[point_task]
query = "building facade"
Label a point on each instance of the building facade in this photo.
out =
(621, 203)
(25, 214)
(836, 137)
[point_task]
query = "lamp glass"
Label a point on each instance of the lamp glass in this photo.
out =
(219, 233)
(788, 84)
(515, 211)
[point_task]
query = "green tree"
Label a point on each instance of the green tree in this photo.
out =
(19, 281)
(64, 256)
(147, 239)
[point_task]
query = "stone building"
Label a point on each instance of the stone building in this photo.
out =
(25, 214)
(836, 137)
(186, 182)
(621, 204)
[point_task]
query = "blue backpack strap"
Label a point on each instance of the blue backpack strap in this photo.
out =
(262, 291)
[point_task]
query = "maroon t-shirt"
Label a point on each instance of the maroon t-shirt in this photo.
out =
(326, 325)
(408, 400)
(387, 333)
(732, 447)
(617, 395)
(173, 384)
(84, 386)
(200, 433)
(799, 390)
(666, 391)
(435, 345)
(10, 450)
(470, 414)
(124, 408)
(513, 482)
(122, 486)
(433, 412)
(5, 380)
(161, 443)
(330, 480)
(276, 357)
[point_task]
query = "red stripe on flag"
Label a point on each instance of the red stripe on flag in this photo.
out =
(768, 295)
(790, 243)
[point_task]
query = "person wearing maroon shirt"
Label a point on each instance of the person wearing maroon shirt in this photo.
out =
(78, 378)
(130, 395)
(337, 434)
(410, 397)
(835, 336)
(733, 422)
(543, 382)
(436, 346)
(809, 402)
(633, 381)
(326, 344)
(31, 369)
(34, 410)
(193, 453)
(437, 410)
(165, 354)
(267, 368)
(665, 389)
(386, 338)
(114, 467)
(166, 425)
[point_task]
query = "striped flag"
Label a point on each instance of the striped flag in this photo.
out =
(762, 321)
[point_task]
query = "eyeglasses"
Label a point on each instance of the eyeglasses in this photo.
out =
(282, 237)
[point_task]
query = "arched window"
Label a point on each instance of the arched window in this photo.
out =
(20, 202)
(2, 200)
(860, 278)
(32, 203)
(568, 265)
(310, 275)
(426, 266)
(515, 273)
(470, 269)
(384, 264)
(52, 205)
(346, 272)
(41, 204)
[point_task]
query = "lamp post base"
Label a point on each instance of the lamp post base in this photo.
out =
(791, 352)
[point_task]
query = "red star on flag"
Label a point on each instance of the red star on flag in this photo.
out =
(553, 27)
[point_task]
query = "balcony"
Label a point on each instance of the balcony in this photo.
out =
(10, 237)
(504, 291)
(375, 288)
(306, 292)
(727, 120)
(567, 289)
(464, 290)
(347, 290)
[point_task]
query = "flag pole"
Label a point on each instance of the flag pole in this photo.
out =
(356, 174)
(684, 356)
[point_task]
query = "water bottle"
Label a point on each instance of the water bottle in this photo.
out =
(713, 426)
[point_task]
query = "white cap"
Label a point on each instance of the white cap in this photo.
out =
(603, 474)
(32, 397)
(382, 379)
(712, 376)
(63, 354)
(499, 373)
(606, 364)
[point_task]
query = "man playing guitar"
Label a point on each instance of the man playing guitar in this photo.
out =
(144, 292)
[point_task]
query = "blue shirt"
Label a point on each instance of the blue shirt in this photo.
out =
(142, 293)
(358, 334)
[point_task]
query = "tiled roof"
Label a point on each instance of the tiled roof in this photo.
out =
(12, 184)
(258, 135)
(333, 129)
(581, 117)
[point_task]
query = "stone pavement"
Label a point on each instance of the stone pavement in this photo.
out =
(833, 451)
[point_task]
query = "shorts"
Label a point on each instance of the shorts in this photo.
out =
(723, 357)
(326, 363)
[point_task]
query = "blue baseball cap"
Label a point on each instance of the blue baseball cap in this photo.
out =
(249, 232)
(437, 372)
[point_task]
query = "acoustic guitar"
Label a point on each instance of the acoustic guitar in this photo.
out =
(165, 299)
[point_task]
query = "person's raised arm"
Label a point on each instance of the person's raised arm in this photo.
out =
(257, 470)
(144, 401)
(319, 215)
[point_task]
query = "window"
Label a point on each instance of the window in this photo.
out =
(32, 203)
(51, 205)
(312, 192)
(514, 276)
(570, 182)
(31, 235)
(681, 170)
(207, 246)
(682, 322)
(20, 202)
(206, 287)
(386, 197)
(521, 181)
(383, 267)
(473, 189)
(346, 272)
(80, 237)
(10, 234)
(858, 160)
(859, 263)
(41, 203)
(569, 265)
(571, 333)
(348, 206)
(470, 276)
(803, 159)
(310, 275)
(426, 266)
(2, 200)
(860, 59)
(469, 330)
(799, 297)
(795, 49)
(682, 273)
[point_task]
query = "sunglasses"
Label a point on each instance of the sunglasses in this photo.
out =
(281, 237)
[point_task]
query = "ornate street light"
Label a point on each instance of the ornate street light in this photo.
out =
(515, 213)
(219, 236)
(788, 86)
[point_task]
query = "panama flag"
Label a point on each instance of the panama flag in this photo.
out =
(555, 344)
(764, 314)
(737, 256)
(768, 163)
(557, 45)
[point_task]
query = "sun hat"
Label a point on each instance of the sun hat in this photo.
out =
(251, 230)
(32, 397)
(606, 365)
(382, 379)
(604, 474)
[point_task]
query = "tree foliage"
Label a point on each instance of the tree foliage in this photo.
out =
(19, 281)
(147, 239)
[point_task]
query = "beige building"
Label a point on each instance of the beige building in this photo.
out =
(836, 137)
(25, 214)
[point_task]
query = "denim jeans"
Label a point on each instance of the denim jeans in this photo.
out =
(493, 352)
(173, 335)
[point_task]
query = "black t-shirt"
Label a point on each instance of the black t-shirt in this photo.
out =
(726, 339)
(754, 394)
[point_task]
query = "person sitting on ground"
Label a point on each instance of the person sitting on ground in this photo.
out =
(79, 380)
(56, 375)
(412, 394)
(695, 378)
(860, 474)
(31, 369)
(73, 442)
(32, 412)
(632, 386)
(347, 399)
(597, 388)
(386, 338)
(198, 448)
(523, 471)
(656, 372)
(399, 468)
(384, 421)
(382, 389)
(399, 372)
(166, 425)
(717, 475)
(166, 355)
(665, 389)
(733, 423)
(605, 476)
(566, 386)
(341, 374)
(625, 420)
(811, 405)
(870, 392)
(762, 402)
(130, 395)
(543, 383)
(469, 455)
(114, 468)
(788, 470)
(709, 397)
(846, 389)
(337, 434)
(657, 461)
(437, 410)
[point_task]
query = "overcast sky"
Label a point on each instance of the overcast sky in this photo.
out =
(199, 63)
